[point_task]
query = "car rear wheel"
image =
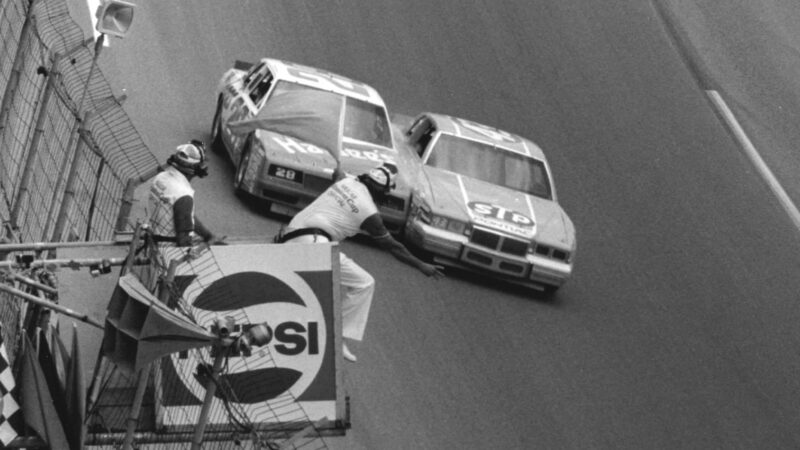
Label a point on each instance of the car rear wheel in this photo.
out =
(216, 129)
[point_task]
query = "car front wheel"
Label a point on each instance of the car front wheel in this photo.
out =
(216, 129)
(241, 169)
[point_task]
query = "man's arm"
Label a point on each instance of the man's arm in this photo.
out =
(185, 224)
(374, 226)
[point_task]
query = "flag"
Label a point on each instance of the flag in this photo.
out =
(37, 402)
(60, 354)
(55, 383)
(10, 413)
(76, 396)
(312, 116)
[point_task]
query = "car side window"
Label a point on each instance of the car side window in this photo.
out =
(420, 134)
(424, 140)
(253, 72)
(260, 86)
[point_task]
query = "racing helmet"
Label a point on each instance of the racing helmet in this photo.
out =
(383, 177)
(190, 158)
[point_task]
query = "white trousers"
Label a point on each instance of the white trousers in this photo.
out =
(357, 286)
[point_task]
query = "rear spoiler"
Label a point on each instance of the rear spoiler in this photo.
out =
(242, 65)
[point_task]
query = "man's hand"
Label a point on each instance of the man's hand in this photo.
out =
(432, 270)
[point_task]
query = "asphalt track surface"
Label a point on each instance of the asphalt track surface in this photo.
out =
(679, 328)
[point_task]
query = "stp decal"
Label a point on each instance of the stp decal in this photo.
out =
(501, 218)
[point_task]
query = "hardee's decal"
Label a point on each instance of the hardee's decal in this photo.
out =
(501, 218)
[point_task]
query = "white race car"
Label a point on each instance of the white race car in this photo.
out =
(486, 201)
(281, 123)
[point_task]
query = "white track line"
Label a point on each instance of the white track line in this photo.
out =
(756, 159)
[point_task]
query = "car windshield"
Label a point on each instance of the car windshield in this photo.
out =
(488, 163)
(363, 121)
(367, 122)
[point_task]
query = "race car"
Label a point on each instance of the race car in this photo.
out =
(285, 125)
(485, 201)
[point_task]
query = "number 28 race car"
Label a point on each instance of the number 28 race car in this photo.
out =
(485, 201)
(284, 125)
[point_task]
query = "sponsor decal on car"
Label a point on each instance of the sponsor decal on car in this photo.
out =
(286, 173)
(368, 155)
(488, 132)
(293, 146)
(326, 80)
(500, 218)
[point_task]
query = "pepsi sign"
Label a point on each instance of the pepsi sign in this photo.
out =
(291, 289)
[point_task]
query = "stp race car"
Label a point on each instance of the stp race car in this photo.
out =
(285, 125)
(485, 201)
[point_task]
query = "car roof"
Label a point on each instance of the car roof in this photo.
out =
(282, 70)
(486, 134)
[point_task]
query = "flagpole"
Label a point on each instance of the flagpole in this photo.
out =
(211, 388)
(54, 306)
(144, 374)
(71, 263)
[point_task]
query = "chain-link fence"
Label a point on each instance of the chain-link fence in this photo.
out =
(69, 155)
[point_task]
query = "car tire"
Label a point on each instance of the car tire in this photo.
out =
(241, 169)
(216, 129)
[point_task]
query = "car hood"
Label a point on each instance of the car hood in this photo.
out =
(497, 208)
(357, 157)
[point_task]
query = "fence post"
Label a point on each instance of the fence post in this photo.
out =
(69, 153)
(16, 68)
(22, 195)
(93, 203)
(73, 152)
(69, 190)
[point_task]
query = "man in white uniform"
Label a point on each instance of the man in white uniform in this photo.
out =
(343, 210)
(172, 197)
